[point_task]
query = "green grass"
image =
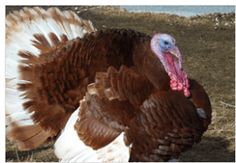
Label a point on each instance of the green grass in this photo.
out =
(208, 54)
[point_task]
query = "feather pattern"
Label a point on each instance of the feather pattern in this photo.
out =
(31, 34)
(171, 125)
(70, 148)
(160, 125)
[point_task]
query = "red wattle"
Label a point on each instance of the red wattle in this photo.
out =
(178, 78)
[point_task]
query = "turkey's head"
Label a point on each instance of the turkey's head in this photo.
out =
(163, 45)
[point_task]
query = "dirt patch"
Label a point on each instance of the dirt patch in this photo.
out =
(208, 47)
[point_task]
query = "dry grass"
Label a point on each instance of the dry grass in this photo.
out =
(208, 57)
(42, 154)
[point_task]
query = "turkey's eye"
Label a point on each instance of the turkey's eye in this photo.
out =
(166, 43)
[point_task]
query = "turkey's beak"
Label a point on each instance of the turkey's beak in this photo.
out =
(175, 52)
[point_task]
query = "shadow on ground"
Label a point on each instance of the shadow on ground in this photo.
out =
(213, 149)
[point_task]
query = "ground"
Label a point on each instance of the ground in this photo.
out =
(207, 44)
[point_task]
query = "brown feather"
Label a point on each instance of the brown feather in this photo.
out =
(200, 99)
(94, 133)
(101, 120)
(60, 77)
(164, 132)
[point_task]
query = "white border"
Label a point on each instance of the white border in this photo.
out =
(2, 84)
(121, 2)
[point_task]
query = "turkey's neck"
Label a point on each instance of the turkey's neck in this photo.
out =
(173, 67)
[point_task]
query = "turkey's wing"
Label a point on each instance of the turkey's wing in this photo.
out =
(166, 125)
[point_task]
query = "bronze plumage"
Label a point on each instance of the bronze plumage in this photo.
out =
(119, 84)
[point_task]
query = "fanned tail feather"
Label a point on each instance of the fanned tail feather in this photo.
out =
(23, 25)
(30, 33)
(20, 127)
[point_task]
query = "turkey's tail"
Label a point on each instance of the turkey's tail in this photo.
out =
(30, 33)
(24, 26)
(20, 127)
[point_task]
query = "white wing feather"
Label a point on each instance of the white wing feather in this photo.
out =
(69, 148)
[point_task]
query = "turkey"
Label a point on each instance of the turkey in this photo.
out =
(105, 95)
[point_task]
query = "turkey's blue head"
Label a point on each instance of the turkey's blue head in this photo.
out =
(163, 45)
